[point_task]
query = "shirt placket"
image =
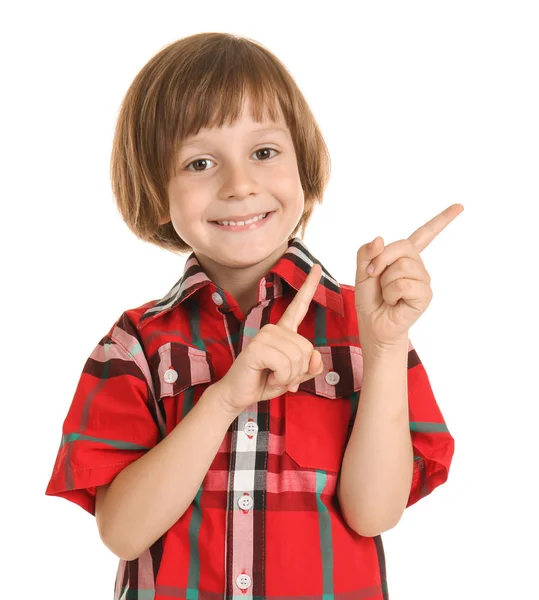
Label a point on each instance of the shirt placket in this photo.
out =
(240, 526)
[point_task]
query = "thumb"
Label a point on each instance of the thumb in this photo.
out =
(316, 366)
(316, 362)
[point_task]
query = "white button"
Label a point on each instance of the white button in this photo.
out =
(332, 378)
(243, 581)
(216, 297)
(171, 375)
(245, 502)
(250, 428)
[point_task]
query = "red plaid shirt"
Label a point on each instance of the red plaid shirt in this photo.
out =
(265, 522)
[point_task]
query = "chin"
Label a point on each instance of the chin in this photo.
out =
(241, 262)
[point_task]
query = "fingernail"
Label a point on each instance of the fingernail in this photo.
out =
(370, 269)
(295, 388)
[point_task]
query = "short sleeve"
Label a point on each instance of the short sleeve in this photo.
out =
(110, 422)
(432, 443)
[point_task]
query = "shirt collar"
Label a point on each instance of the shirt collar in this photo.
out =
(293, 267)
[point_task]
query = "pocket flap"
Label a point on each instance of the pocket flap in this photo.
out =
(179, 366)
(342, 374)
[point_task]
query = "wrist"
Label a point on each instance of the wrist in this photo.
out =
(375, 349)
(220, 399)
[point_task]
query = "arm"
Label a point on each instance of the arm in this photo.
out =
(377, 468)
(168, 476)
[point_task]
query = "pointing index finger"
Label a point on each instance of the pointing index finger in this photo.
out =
(423, 236)
(297, 309)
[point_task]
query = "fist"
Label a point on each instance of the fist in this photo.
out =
(277, 359)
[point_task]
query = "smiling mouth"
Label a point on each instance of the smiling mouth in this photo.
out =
(244, 224)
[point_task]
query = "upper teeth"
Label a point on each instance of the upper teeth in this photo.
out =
(253, 220)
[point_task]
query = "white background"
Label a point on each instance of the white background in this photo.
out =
(422, 104)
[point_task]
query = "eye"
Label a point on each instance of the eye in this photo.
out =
(205, 160)
(263, 149)
(198, 160)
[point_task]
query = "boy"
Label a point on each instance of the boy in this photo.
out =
(213, 433)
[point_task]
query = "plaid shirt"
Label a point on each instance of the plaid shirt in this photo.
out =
(265, 522)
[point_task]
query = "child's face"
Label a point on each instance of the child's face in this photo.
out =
(225, 173)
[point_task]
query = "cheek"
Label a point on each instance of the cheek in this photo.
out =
(288, 187)
(184, 219)
(299, 198)
(300, 204)
(186, 203)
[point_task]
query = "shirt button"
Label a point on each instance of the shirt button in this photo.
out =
(243, 581)
(170, 375)
(216, 297)
(245, 502)
(250, 428)
(332, 377)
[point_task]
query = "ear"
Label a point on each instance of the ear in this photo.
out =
(164, 220)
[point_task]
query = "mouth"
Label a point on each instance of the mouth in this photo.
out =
(254, 223)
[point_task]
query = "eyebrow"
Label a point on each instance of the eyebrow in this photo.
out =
(200, 140)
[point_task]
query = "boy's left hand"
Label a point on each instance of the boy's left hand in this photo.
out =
(391, 299)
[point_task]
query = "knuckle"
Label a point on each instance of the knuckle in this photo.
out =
(267, 332)
(307, 345)
(286, 367)
(307, 353)
(254, 348)
(260, 338)
(254, 343)
(309, 349)
(296, 356)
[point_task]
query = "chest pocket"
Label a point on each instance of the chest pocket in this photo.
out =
(319, 415)
(177, 367)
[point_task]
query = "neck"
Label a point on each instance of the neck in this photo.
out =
(241, 282)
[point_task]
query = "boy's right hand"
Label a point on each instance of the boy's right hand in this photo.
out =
(276, 359)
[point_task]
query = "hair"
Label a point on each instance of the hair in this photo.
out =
(200, 81)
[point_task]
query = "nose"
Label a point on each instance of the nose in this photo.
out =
(239, 181)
